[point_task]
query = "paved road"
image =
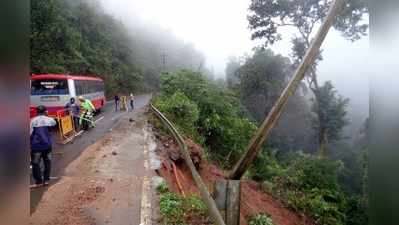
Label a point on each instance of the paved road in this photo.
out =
(111, 182)
(73, 150)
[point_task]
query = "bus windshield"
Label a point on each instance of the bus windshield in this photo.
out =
(49, 87)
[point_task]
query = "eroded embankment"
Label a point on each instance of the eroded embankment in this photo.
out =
(253, 200)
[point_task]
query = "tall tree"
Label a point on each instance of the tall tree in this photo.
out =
(232, 67)
(331, 110)
(268, 16)
(262, 78)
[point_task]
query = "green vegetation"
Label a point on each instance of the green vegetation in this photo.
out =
(260, 80)
(78, 37)
(306, 183)
(261, 219)
(329, 189)
(177, 210)
(162, 188)
(310, 184)
(331, 110)
(171, 207)
(181, 110)
(211, 115)
(268, 16)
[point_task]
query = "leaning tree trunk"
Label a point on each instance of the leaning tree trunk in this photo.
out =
(264, 130)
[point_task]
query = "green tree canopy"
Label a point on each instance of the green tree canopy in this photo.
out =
(78, 37)
(267, 16)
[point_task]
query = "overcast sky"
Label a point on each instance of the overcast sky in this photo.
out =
(219, 28)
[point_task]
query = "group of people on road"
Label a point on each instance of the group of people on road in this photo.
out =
(40, 136)
(82, 114)
(121, 102)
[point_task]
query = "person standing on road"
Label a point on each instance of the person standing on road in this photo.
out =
(116, 99)
(73, 110)
(41, 145)
(87, 111)
(131, 100)
(124, 103)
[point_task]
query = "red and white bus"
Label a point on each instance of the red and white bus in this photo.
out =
(55, 90)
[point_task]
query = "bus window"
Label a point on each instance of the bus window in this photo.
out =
(49, 87)
(88, 87)
(80, 87)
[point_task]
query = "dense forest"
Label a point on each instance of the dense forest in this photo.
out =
(78, 37)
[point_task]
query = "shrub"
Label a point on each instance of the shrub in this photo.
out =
(171, 207)
(162, 188)
(217, 123)
(357, 213)
(180, 110)
(310, 184)
(265, 167)
(228, 137)
(178, 210)
(261, 219)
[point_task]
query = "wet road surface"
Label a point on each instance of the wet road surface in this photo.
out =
(65, 154)
(110, 182)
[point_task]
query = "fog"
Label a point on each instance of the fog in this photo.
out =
(219, 29)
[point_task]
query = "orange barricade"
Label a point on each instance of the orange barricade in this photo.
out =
(66, 125)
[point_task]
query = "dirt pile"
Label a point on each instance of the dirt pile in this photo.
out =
(170, 150)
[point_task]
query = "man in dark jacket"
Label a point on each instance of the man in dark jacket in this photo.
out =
(116, 99)
(73, 110)
(41, 145)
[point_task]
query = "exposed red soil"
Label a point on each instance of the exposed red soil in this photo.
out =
(253, 200)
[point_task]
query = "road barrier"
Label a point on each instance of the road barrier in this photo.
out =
(66, 125)
(210, 203)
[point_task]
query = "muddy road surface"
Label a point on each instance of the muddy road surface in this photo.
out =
(63, 155)
(110, 182)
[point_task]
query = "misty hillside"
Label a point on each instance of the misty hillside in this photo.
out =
(313, 159)
(78, 37)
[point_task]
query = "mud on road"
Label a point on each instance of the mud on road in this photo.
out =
(63, 155)
(104, 185)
